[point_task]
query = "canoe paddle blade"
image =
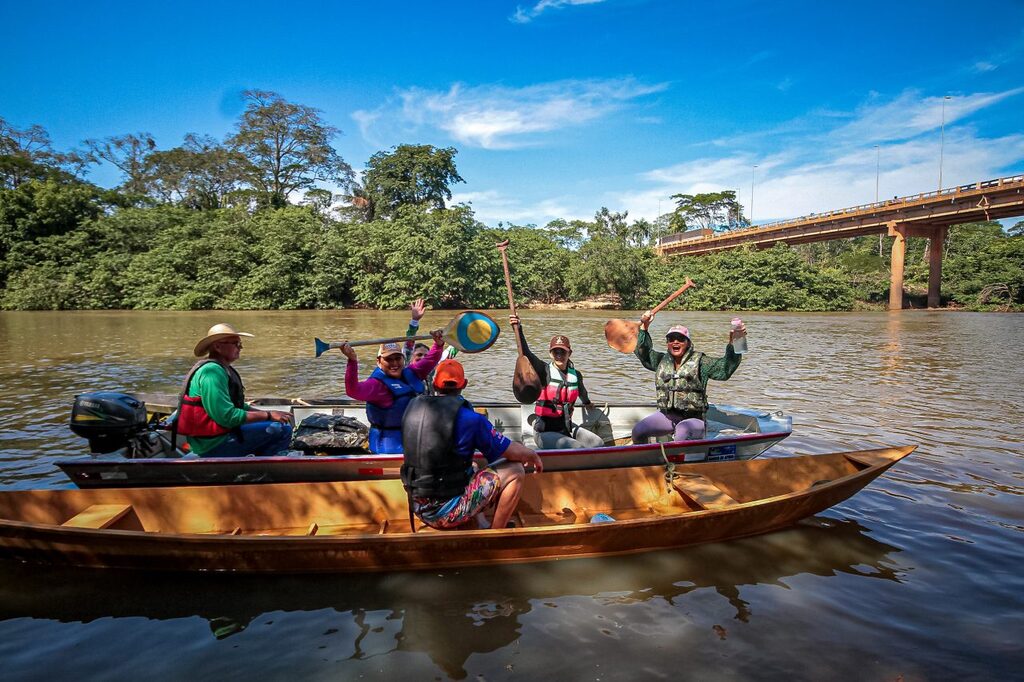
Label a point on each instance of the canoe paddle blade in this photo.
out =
(472, 332)
(321, 347)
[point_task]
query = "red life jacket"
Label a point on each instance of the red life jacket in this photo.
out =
(193, 420)
(560, 393)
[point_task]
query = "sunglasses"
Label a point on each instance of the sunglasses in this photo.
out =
(676, 337)
(559, 351)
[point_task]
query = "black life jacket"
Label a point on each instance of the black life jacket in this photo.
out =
(431, 467)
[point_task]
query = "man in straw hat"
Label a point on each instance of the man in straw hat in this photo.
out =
(441, 433)
(681, 380)
(389, 389)
(212, 411)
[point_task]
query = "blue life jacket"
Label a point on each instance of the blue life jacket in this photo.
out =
(386, 423)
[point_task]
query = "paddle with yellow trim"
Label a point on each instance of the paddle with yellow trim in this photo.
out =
(470, 331)
(622, 334)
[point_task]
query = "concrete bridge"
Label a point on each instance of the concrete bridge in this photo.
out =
(926, 215)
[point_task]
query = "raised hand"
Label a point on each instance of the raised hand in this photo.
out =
(348, 351)
(418, 308)
(438, 335)
(646, 319)
(513, 320)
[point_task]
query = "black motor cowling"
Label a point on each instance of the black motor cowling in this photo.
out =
(109, 420)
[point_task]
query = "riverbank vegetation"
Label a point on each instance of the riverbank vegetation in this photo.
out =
(246, 223)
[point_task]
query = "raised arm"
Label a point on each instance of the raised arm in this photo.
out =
(539, 366)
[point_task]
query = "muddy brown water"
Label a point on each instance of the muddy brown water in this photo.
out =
(918, 576)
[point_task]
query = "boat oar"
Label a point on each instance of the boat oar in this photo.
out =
(622, 334)
(470, 331)
(525, 382)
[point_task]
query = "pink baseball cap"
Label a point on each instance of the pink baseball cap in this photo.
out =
(678, 329)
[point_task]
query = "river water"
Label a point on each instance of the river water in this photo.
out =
(917, 577)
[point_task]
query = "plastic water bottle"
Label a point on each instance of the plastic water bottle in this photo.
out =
(601, 517)
(739, 343)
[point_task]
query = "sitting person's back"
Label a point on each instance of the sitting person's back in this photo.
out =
(440, 435)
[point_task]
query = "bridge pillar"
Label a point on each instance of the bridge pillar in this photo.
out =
(936, 244)
(899, 251)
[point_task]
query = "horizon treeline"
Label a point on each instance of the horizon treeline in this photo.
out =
(253, 222)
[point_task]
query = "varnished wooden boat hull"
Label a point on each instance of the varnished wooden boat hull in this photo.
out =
(363, 526)
(735, 433)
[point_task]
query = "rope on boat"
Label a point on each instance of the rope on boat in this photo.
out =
(670, 469)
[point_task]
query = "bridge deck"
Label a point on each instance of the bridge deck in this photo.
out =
(986, 200)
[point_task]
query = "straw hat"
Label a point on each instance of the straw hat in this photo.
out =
(217, 333)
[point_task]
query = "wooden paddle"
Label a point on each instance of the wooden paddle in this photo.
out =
(622, 334)
(470, 331)
(525, 382)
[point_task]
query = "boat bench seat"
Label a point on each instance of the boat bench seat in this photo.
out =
(99, 516)
(702, 492)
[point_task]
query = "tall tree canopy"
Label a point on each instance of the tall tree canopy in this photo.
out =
(717, 211)
(128, 154)
(409, 175)
(287, 147)
(27, 154)
(200, 174)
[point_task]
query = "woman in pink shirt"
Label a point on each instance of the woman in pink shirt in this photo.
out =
(389, 389)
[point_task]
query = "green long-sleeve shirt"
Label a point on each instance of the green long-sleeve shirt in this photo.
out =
(210, 382)
(719, 369)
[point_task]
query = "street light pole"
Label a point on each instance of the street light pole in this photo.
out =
(942, 139)
(878, 161)
(752, 194)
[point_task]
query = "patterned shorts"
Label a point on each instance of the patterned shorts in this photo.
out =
(481, 491)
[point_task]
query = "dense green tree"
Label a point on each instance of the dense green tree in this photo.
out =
(409, 175)
(537, 264)
(287, 148)
(279, 276)
(444, 256)
(568, 234)
(607, 266)
(718, 211)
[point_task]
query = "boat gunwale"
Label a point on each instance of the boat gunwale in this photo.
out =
(870, 471)
(360, 456)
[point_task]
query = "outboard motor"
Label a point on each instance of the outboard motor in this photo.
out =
(112, 421)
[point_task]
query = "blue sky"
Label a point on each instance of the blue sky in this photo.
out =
(559, 107)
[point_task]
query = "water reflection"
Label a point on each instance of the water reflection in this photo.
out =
(450, 616)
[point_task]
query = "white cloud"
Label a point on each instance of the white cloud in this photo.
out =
(525, 16)
(491, 206)
(498, 117)
(837, 169)
(909, 115)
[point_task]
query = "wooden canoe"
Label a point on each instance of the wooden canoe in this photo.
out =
(732, 433)
(362, 526)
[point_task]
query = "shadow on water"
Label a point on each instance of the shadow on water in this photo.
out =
(453, 615)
